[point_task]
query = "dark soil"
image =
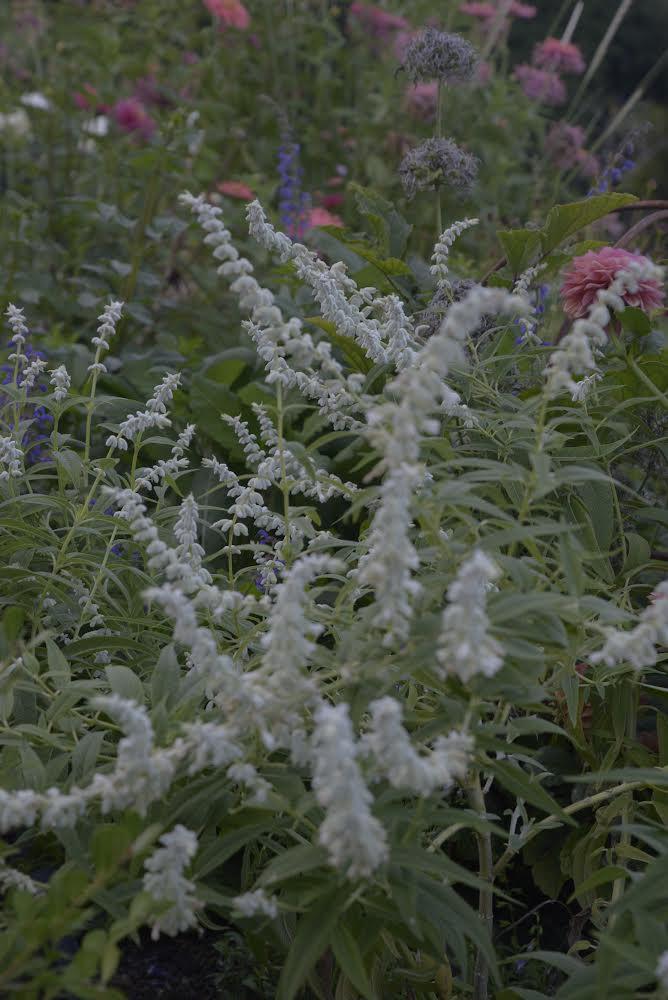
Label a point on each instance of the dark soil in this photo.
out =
(207, 966)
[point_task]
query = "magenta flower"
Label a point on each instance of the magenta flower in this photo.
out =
(229, 13)
(236, 189)
(378, 22)
(131, 116)
(565, 147)
(540, 85)
(422, 98)
(485, 11)
(525, 11)
(559, 57)
(321, 217)
(597, 270)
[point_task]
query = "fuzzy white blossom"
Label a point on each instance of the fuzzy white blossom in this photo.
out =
(256, 903)
(637, 646)
(107, 322)
(61, 381)
(662, 970)
(355, 840)
(395, 429)
(16, 123)
(576, 352)
(441, 254)
(397, 760)
(151, 478)
(36, 100)
(155, 414)
(584, 387)
(167, 885)
(17, 324)
(11, 459)
(465, 647)
(11, 878)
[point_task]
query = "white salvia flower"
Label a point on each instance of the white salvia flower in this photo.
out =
(36, 100)
(280, 688)
(439, 260)
(18, 808)
(185, 531)
(97, 127)
(245, 774)
(16, 320)
(354, 838)
(526, 279)
(153, 416)
(16, 122)
(165, 882)
(662, 970)
(10, 878)
(252, 904)
(584, 387)
(108, 321)
(395, 758)
(61, 380)
(465, 647)
(395, 429)
(32, 373)
(11, 457)
(140, 776)
(638, 645)
(149, 479)
(211, 745)
(576, 351)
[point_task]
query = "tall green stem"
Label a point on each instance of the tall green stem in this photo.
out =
(485, 897)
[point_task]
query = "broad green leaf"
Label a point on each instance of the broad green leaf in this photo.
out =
(601, 877)
(294, 861)
(58, 664)
(314, 933)
(166, 676)
(125, 683)
(521, 247)
(566, 220)
(349, 957)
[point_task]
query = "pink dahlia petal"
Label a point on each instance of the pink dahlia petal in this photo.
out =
(596, 270)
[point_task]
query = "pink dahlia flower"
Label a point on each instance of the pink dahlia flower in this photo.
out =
(131, 116)
(230, 13)
(321, 217)
(598, 269)
(378, 22)
(422, 99)
(236, 189)
(540, 85)
(559, 57)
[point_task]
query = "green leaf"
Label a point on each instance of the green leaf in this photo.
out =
(601, 877)
(566, 220)
(125, 683)
(85, 755)
(295, 861)
(527, 787)
(389, 227)
(314, 933)
(58, 665)
(352, 352)
(109, 844)
(349, 957)
(521, 247)
(636, 321)
(166, 676)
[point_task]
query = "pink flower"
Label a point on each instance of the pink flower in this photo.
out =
(401, 42)
(148, 91)
(523, 10)
(131, 115)
(483, 73)
(230, 13)
(422, 99)
(485, 11)
(321, 217)
(540, 85)
(333, 200)
(559, 57)
(596, 270)
(236, 189)
(378, 22)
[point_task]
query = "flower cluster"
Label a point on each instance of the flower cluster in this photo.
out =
(438, 163)
(439, 55)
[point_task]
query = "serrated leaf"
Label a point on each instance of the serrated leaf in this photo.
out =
(566, 220)
(521, 247)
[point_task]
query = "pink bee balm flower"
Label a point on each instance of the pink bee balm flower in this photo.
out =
(321, 217)
(422, 98)
(333, 200)
(540, 85)
(597, 270)
(377, 21)
(559, 57)
(131, 115)
(236, 189)
(230, 13)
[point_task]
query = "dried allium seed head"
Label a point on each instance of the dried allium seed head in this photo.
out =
(438, 163)
(440, 55)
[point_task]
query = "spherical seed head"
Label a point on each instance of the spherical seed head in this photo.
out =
(440, 55)
(438, 163)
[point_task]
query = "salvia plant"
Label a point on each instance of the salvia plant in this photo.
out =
(355, 683)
